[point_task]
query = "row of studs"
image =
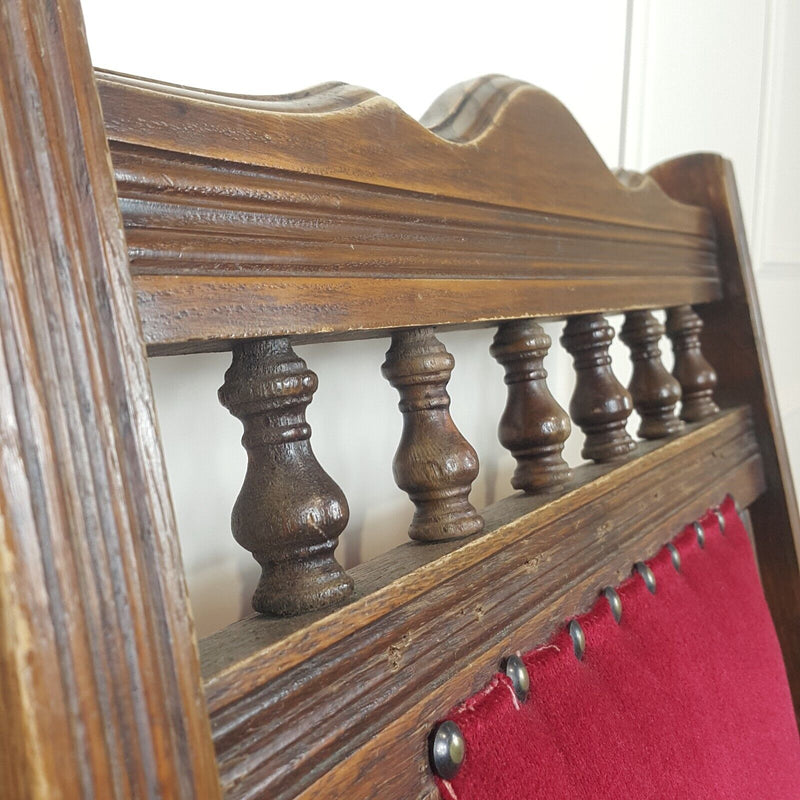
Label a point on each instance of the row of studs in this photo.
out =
(448, 746)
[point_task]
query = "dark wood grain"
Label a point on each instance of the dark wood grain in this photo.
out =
(289, 513)
(434, 463)
(99, 678)
(193, 216)
(600, 404)
(654, 391)
(254, 222)
(343, 132)
(734, 341)
(332, 212)
(696, 376)
(413, 642)
(533, 427)
(210, 312)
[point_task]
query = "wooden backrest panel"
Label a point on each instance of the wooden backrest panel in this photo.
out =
(494, 140)
(333, 212)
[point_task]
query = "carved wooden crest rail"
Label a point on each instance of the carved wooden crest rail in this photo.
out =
(252, 224)
(333, 212)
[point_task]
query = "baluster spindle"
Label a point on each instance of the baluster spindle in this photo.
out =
(600, 404)
(655, 392)
(533, 427)
(696, 376)
(434, 463)
(289, 512)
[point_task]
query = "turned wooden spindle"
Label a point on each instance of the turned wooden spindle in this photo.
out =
(533, 427)
(600, 404)
(696, 376)
(434, 463)
(289, 512)
(655, 392)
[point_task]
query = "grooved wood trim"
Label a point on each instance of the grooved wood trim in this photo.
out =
(254, 217)
(734, 342)
(394, 659)
(99, 678)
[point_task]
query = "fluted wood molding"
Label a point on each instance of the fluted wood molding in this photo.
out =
(289, 512)
(434, 463)
(697, 377)
(332, 212)
(655, 392)
(600, 404)
(533, 427)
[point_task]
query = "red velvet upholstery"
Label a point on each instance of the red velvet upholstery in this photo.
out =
(686, 698)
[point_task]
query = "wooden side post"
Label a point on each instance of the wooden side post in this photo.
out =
(733, 341)
(99, 682)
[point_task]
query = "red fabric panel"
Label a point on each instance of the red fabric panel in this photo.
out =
(686, 698)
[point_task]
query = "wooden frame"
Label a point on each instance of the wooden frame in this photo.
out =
(325, 215)
(98, 665)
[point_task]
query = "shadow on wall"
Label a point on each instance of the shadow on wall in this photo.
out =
(356, 428)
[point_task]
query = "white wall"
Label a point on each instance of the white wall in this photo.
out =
(725, 76)
(696, 81)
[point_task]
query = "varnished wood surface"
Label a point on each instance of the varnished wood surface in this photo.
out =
(415, 639)
(734, 342)
(696, 376)
(600, 404)
(99, 680)
(533, 426)
(207, 312)
(434, 463)
(460, 149)
(289, 512)
(332, 212)
(654, 391)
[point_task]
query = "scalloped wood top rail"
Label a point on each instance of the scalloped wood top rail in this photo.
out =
(332, 212)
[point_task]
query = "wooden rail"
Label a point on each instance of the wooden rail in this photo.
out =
(334, 213)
